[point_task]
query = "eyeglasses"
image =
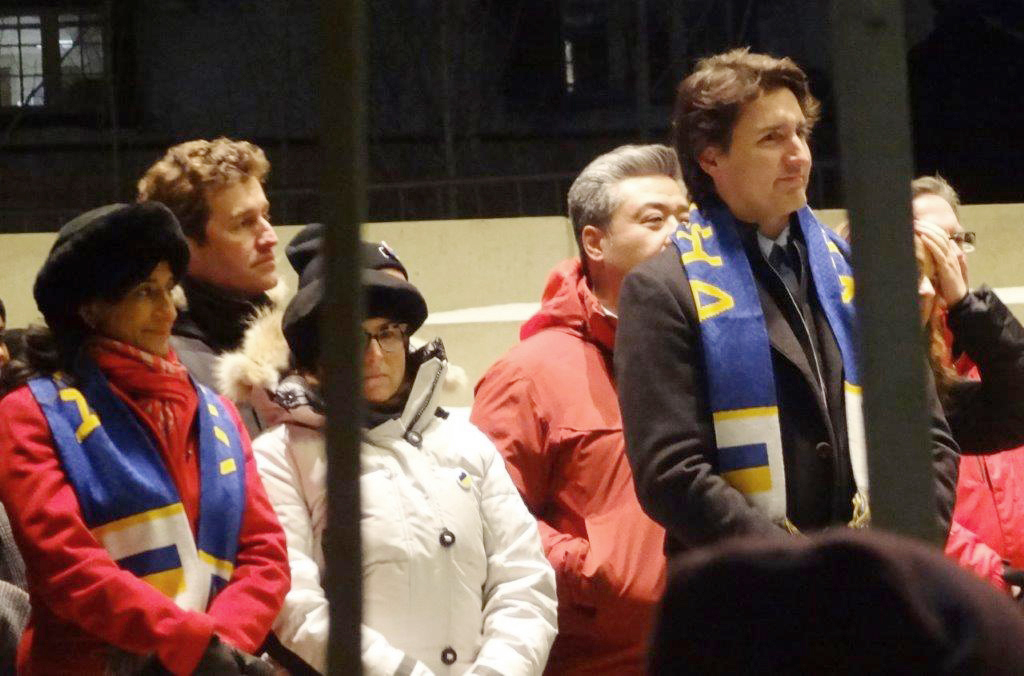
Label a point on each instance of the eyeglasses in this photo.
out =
(390, 338)
(965, 240)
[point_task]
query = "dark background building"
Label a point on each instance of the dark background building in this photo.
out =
(475, 107)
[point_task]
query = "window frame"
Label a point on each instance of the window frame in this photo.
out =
(54, 78)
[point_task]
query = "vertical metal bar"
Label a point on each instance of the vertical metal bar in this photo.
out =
(870, 67)
(49, 38)
(21, 68)
(342, 138)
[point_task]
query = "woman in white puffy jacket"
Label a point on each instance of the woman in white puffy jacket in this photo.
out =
(454, 577)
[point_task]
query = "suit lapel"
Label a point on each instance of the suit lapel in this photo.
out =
(783, 339)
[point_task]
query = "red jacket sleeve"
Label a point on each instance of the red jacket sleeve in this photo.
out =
(964, 547)
(68, 570)
(245, 609)
(506, 409)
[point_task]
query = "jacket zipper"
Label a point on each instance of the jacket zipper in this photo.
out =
(995, 504)
(423, 407)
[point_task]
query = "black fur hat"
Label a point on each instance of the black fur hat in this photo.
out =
(103, 253)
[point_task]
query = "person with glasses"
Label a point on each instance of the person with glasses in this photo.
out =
(976, 352)
(934, 200)
(454, 577)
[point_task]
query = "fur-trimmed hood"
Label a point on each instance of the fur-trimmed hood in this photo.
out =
(250, 374)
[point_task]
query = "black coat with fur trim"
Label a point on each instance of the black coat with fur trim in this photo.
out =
(210, 323)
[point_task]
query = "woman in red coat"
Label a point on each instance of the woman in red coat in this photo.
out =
(148, 539)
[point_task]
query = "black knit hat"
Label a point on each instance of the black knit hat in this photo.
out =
(103, 253)
(303, 250)
(385, 294)
(380, 256)
(304, 253)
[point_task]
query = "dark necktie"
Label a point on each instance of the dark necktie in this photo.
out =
(786, 261)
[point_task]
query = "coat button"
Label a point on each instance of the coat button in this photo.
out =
(447, 538)
(448, 655)
(824, 451)
(414, 438)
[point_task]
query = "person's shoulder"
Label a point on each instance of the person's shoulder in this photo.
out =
(18, 399)
(277, 444)
(663, 266)
(662, 276)
(544, 349)
(191, 344)
(198, 357)
(20, 413)
(461, 439)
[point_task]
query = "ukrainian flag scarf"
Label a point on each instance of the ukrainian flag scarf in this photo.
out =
(737, 352)
(127, 497)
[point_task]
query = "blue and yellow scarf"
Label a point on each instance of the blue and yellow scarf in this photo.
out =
(737, 351)
(127, 497)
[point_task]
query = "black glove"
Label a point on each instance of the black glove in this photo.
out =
(221, 658)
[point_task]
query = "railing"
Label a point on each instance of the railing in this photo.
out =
(485, 197)
(482, 197)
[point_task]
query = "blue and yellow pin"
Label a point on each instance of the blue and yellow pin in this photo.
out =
(465, 480)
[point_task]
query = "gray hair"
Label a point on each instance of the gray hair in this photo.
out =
(593, 197)
(938, 186)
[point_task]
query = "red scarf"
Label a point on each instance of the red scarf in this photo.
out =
(159, 388)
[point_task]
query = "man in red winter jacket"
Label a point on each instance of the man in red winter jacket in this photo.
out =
(551, 408)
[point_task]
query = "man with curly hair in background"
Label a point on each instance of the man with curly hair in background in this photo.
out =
(215, 189)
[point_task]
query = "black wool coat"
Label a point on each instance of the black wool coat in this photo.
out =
(667, 417)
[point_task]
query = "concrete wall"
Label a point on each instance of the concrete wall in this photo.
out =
(482, 278)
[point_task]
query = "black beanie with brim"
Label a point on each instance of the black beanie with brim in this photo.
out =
(385, 295)
(305, 253)
(393, 298)
(103, 253)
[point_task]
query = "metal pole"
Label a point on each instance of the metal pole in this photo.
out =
(342, 140)
(874, 133)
